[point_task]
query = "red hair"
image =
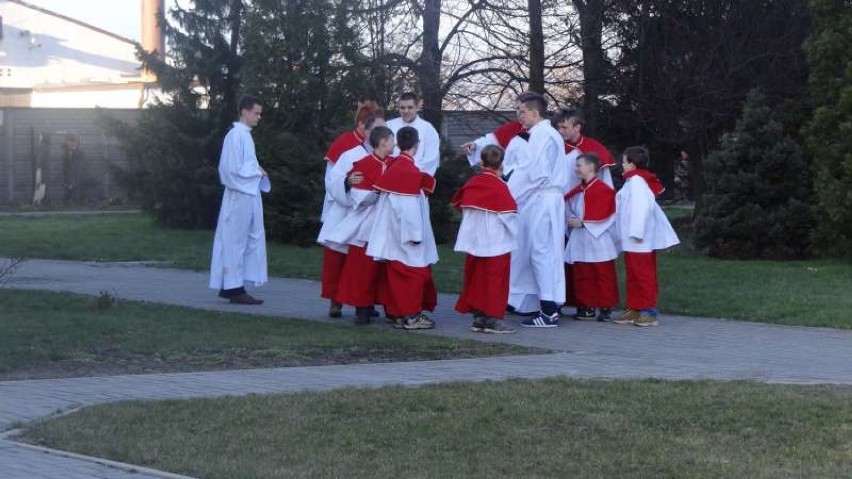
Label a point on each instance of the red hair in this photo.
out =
(367, 109)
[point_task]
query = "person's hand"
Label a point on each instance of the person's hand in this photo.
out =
(262, 171)
(355, 178)
(575, 222)
(638, 240)
(467, 148)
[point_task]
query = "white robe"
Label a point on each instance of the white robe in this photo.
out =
(638, 216)
(428, 155)
(341, 203)
(512, 155)
(486, 233)
(239, 245)
(594, 242)
(402, 231)
(539, 184)
(356, 226)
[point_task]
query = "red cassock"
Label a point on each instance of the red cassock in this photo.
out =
(361, 273)
(595, 284)
(505, 132)
(342, 144)
(405, 290)
(333, 261)
(590, 145)
(485, 287)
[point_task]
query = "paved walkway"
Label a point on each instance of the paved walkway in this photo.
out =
(683, 348)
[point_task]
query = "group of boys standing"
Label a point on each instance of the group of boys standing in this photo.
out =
(541, 223)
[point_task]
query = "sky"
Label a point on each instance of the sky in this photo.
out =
(117, 16)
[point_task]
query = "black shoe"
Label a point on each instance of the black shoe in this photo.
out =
(362, 316)
(584, 313)
(335, 310)
(373, 312)
(245, 298)
(605, 315)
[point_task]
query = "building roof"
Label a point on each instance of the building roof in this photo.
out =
(73, 20)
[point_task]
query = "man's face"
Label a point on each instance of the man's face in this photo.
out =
(407, 110)
(570, 130)
(527, 116)
(251, 117)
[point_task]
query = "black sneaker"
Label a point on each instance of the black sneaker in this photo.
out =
(605, 315)
(584, 313)
(478, 325)
(542, 320)
(362, 316)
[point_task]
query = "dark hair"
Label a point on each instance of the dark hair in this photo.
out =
(639, 156)
(378, 134)
(534, 101)
(592, 159)
(247, 102)
(492, 156)
(568, 114)
(366, 110)
(407, 138)
(409, 95)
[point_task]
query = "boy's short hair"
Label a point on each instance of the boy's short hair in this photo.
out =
(638, 156)
(378, 134)
(573, 115)
(367, 109)
(407, 138)
(492, 157)
(534, 101)
(409, 95)
(592, 159)
(246, 102)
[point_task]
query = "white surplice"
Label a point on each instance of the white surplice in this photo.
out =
(539, 184)
(239, 245)
(335, 188)
(428, 155)
(486, 234)
(594, 242)
(638, 216)
(402, 231)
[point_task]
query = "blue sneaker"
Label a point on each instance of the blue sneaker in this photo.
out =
(541, 321)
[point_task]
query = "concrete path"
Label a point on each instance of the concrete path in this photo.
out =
(682, 348)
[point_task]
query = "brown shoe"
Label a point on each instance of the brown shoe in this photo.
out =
(335, 310)
(628, 316)
(644, 321)
(245, 298)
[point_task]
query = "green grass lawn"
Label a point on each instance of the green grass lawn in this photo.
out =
(545, 428)
(811, 293)
(48, 335)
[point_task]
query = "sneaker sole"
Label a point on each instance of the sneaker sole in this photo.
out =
(623, 321)
(416, 327)
(497, 331)
(645, 325)
(539, 325)
(477, 330)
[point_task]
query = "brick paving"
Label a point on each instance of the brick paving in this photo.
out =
(682, 348)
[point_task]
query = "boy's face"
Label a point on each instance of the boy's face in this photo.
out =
(527, 116)
(251, 116)
(585, 170)
(627, 166)
(386, 145)
(570, 130)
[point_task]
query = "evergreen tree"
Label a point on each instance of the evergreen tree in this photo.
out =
(174, 148)
(829, 133)
(756, 201)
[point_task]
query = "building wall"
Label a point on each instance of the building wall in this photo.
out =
(43, 49)
(29, 136)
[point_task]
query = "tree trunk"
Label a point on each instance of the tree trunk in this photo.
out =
(591, 32)
(536, 47)
(429, 64)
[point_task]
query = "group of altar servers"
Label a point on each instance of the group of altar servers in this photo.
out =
(541, 223)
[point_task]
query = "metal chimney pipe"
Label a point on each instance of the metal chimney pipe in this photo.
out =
(152, 34)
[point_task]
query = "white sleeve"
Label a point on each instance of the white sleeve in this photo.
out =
(478, 145)
(640, 208)
(432, 152)
(598, 228)
(335, 181)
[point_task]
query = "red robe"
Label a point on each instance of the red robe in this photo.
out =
(590, 145)
(485, 286)
(342, 144)
(360, 274)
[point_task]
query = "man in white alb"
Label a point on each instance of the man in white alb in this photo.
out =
(239, 247)
(428, 154)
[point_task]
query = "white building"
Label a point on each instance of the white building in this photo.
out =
(48, 60)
